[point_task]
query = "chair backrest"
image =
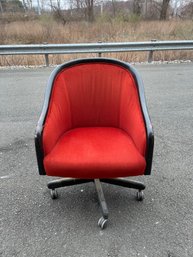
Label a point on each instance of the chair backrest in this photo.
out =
(94, 93)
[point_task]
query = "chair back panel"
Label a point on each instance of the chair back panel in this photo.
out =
(94, 94)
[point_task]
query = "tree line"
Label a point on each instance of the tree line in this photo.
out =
(90, 9)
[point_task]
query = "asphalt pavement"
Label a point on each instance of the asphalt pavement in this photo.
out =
(34, 225)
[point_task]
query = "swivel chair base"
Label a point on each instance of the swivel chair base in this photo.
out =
(102, 223)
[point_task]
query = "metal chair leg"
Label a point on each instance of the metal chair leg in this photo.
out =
(129, 184)
(52, 185)
(103, 220)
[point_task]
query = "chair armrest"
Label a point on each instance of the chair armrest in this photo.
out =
(38, 145)
(42, 125)
(147, 121)
(39, 128)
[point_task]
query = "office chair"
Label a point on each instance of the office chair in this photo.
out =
(94, 127)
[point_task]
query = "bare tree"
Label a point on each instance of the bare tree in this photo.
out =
(29, 3)
(76, 4)
(11, 6)
(164, 9)
(175, 9)
(55, 4)
(89, 10)
(1, 7)
(87, 6)
(39, 9)
(114, 8)
(58, 4)
(51, 5)
(42, 4)
(136, 7)
(24, 5)
(187, 10)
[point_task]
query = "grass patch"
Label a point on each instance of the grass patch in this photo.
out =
(47, 30)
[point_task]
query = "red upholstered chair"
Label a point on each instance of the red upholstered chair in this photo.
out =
(94, 126)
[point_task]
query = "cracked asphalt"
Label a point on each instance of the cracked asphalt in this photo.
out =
(32, 224)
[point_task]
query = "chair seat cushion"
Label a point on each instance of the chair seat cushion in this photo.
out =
(94, 152)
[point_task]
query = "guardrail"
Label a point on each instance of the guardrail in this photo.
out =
(46, 49)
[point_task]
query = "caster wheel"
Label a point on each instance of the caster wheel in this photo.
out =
(140, 196)
(53, 193)
(102, 223)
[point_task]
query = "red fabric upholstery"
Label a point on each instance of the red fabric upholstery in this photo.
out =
(94, 152)
(93, 95)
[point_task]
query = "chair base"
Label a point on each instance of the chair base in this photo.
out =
(114, 181)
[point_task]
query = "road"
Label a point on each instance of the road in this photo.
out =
(32, 224)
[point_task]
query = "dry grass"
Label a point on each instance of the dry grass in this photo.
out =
(49, 31)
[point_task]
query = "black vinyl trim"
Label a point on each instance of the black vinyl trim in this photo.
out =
(140, 87)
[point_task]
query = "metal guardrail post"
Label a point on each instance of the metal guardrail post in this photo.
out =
(150, 55)
(99, 54)
(47, 60)
(46, 55)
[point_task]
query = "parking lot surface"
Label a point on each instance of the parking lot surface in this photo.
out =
(32, 224)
